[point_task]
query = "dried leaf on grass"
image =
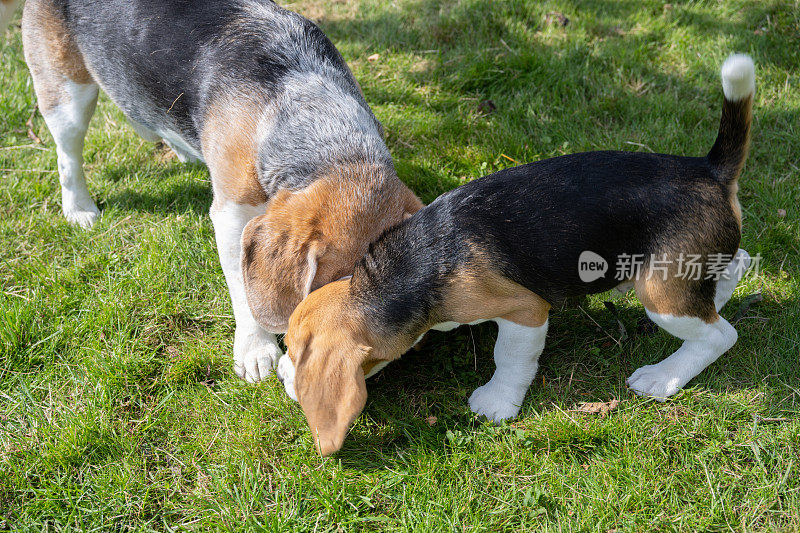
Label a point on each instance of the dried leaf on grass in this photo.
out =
(597, 408)
(29, 127)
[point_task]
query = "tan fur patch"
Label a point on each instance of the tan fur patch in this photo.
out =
(658, 296)
(736, 207)
(481, 293)
(674, 296)
(51, 53)
(229, 149)
(337, 216)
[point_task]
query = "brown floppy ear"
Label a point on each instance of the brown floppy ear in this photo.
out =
(332, 393)
(278, 267)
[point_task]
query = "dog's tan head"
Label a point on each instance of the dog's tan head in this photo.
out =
(331, 350)
(314, 236)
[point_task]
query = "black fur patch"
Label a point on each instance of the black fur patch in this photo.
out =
(730, 149)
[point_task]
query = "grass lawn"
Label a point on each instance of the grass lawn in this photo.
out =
(119, 409)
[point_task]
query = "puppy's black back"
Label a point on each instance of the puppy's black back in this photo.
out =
(532, 222)
(537, 219)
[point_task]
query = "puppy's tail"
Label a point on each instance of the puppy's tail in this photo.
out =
(7, 8)
(733, 140)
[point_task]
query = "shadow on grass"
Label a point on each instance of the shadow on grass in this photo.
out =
(494, 53)
(763, 31)
(165, 189)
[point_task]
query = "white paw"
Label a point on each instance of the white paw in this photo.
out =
(495, 403)
(254, 355)
(654, 381)
(82, 216)
(285, 373)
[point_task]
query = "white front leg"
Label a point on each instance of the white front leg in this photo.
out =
(255, 350)
(516, 356)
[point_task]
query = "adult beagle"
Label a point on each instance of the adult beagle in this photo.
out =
(509, 246)
(301, 176)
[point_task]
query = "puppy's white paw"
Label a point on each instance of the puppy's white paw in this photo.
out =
(495, 403)
(83, 215)
(654, 381)
(254, 355)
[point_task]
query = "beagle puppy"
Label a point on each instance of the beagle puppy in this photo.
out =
(509, 246)
(301, 176)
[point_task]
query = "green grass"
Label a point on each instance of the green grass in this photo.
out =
(119, 409)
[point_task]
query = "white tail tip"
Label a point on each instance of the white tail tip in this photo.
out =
(738, 77)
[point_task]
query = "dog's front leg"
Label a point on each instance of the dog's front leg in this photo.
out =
(255, 350)
(516, 356)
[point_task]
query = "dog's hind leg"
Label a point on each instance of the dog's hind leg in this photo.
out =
(688, 311)
(67, 96)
